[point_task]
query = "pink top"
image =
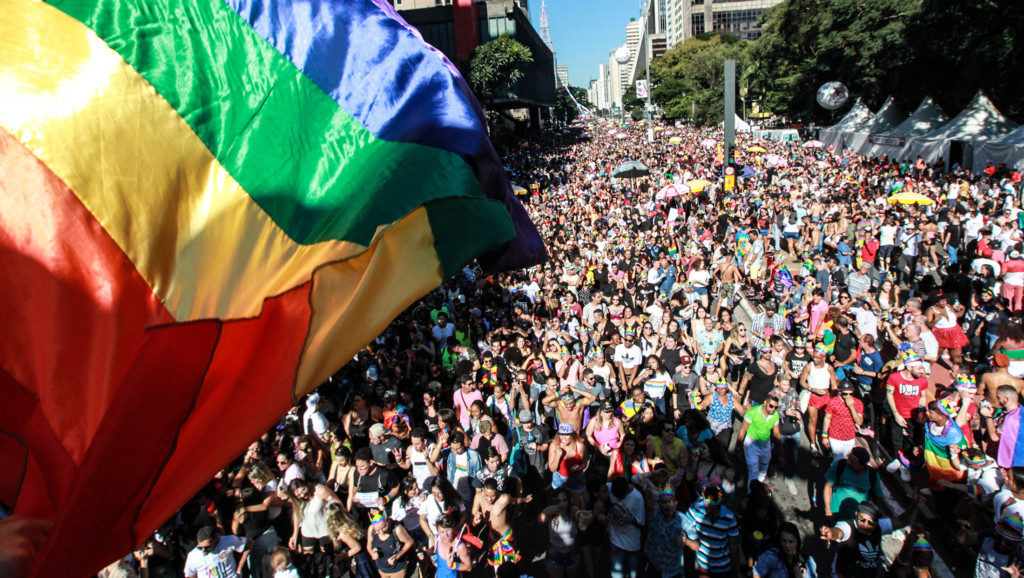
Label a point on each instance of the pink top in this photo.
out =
(463, 401)
(608, 436)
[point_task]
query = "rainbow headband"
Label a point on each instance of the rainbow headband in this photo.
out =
(978, 461)
(711, 500)
(966, 383)
(948, 407)
(922, 545)
(822, 349)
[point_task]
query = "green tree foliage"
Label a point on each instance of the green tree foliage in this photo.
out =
(964, 46)
(565, 109)
(862, 43)
(633, 104)
(690, 77)
(496, 67)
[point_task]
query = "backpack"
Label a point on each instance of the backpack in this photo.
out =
(517, 457)
(872, 476)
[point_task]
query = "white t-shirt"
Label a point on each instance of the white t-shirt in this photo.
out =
(418, 459)
(887, 235)
(626, 535)
(219, 563)
(294, 472)
(629, 357)
(441, 334)
(1004, 498)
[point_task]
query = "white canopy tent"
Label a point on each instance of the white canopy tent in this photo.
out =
(1008, 149)
(858, 117)
(740, 124)
(926, 118)
(980, 121)
(887, 118)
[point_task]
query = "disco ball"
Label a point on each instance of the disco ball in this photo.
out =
(622, 55)
(832, 95)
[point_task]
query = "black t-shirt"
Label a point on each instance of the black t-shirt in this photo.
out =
(956, 233)
(382, 451)
(797, 362)
(670, 357)
(760, 383)
(539, 436)
(846, 343)
(861, 555)
(380, 480)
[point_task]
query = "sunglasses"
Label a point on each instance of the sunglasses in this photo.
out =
(866, 520)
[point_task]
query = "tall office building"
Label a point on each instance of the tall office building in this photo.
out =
(688, 18)
(562, 75)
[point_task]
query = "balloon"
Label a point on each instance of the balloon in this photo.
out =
(832, 95)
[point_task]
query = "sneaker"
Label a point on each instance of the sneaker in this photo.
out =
(893, 466)
(792, 487)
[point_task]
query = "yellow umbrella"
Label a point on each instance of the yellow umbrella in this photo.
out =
(910, 198)
(658, 128)
(756, 150)
(675, 140)
(697, 185)
(518, 190)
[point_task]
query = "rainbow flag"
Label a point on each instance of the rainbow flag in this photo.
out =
(936, 453)
(206, 208)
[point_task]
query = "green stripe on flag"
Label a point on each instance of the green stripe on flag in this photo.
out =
(315, 170)
(455, 220)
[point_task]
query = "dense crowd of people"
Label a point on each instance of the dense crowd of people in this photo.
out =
(640, 404)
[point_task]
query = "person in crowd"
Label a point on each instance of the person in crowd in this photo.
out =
(580, 415)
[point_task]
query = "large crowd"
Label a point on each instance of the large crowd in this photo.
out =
(642, 403)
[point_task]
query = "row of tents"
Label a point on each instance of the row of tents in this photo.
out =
(977, 137)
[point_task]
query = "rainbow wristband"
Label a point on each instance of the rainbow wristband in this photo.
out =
(824, 435)
(387, 499)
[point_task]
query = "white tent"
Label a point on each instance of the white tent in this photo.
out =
(887, 118)
(1008, 149)
(981, 121)
(741, 125)
(926, 118)
(859, 116)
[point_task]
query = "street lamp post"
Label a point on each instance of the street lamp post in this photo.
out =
(622, 56)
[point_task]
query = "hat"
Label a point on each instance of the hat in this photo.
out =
(566, 428)
(377, 430)
(607, 405)
(569, 396)
(685, 360)
(966, 383)
(377, 516)
(1010, 526)
(800, 342)
(711, 496)
(525, 416)
(313, 399)
(911, 358)
(821, 348)
(922, 545)
(948, 406)
(766, 348)
(721, 383)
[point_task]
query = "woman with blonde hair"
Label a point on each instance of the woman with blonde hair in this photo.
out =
(348, 536)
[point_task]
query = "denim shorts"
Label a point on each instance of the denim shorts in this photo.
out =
(575, 483)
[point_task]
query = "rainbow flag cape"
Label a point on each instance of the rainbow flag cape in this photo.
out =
(936, 453)
(206, 208)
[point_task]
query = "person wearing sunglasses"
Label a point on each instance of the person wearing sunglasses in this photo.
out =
(860, 540)
(214, 554)
(760, 426)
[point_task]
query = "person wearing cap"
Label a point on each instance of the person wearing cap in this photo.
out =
(664, 546)
(214, 554)
(534, 442)
(1013, 280)
(712, 531)
(844, 415)
(997, 548)
(387, 450)
(860, 540)
(818, 379)
(568, 457)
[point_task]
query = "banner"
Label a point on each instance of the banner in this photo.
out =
(641, 88)
(893, 141)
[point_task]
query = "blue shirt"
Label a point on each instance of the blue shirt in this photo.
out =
(662, 547)
(713, 554)
(869, 362)
(770, 565)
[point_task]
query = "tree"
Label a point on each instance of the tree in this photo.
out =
(688, 80)
(633, 104)
(496, 67)
(565, 109)
(804, 43)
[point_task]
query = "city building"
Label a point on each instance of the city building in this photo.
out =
(457, 27)
(603, 100)
(688, 18)
(562, 75)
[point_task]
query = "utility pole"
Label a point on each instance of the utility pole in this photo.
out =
(730, 115)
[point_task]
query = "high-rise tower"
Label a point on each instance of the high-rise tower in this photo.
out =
(545, 34)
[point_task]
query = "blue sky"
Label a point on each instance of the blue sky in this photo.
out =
(583, 31)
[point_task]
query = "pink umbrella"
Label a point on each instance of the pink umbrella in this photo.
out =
(812, 144)
(707, 143)
(621, 135)
(775, 161)
(672, 191)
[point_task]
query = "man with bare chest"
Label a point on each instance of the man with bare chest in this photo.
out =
(491, 506)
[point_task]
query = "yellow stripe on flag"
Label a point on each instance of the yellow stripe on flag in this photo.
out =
(205, 248)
